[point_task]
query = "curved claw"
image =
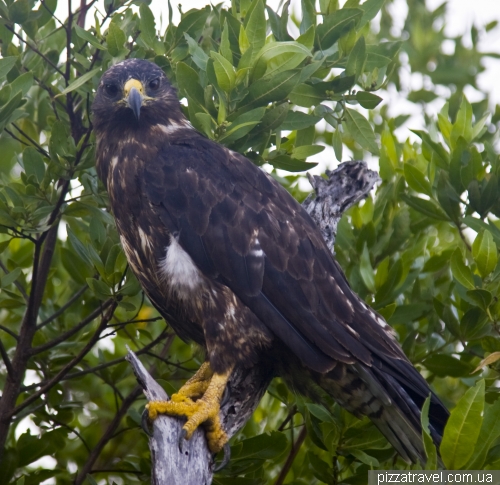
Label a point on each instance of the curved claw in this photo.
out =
(145, 423)
(182, 438)
(225, 459)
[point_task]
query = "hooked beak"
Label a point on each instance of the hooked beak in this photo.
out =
(134, 95)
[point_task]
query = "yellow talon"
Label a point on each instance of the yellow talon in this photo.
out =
(198, 400)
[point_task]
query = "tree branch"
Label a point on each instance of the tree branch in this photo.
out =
(61, 310)
(58, 377)
(64, 336)
(291, 457)
(345, 186)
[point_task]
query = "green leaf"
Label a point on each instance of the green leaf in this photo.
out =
(296, 120)
(33, 163)
(267, 90)
(147, 25)
(337, 144)
(276, 57)
(366, 270)
(192, 24)
(336, 25)
(429, 446)
(463, 123)
(426, 207)
(306, 95)
(242, 125)
(6, 64)
(368, 100)
(370, 10)
(285, 162)
(461, 272)
(490, 431)
(22, 84)
(188, 82)
(199, 56)
(256, 25)
(19, 11)
(442, 156)
(416, 180)
(225, 45)
(8, 279)
(90, 38)
(361, 130)
(224, 72)
(462, 429)
(481, 297)
(357, 58)
(485, 253)
(304, 151)
(261, 447)
(445, 365)
(275, 117)
(78, 247)
(80, 81)
(115, 39)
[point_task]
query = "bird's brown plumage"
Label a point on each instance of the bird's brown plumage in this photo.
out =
(234, 263)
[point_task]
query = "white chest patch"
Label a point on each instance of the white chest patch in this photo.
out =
(179, 270)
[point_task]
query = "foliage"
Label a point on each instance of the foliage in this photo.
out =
(422, 249)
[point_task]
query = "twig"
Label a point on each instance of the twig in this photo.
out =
(61, 310)
(58, 377)
(291, 457)
(34, 49)
(33, 142)
(10, 332)
(94, 454)
(66, 335)
(6, 360)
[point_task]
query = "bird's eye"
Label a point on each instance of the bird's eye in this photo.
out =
(111, 90)
(154, 84)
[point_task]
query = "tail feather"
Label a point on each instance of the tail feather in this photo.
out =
(393, 407)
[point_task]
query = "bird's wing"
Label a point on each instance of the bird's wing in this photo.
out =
(244, 230)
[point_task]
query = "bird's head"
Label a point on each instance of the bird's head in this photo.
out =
(132, 93)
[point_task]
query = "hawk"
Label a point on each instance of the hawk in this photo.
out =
(233, 262)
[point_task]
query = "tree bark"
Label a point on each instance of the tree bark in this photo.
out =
(194, 464)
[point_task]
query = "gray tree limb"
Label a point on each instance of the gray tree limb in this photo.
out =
(194, 464)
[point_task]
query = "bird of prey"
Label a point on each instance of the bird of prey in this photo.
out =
(235, 264)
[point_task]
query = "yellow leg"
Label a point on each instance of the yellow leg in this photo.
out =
(196, 386)
(204, 410)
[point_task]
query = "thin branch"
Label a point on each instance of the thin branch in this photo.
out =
(16, 138)
(66, 335)
(105, 470)
(108, 434)
(34, 49)
(105, 365)
(10, 332)
(291, 457)
(18, 285)
(52, 13)
(6, 361)
(33, 142)
(61, 310)
(59, 376)
(73, 430)
(291, 413)
(83, 12)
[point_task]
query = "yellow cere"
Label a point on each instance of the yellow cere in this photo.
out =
(133, 83)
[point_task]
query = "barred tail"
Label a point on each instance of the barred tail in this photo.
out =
(392, 403)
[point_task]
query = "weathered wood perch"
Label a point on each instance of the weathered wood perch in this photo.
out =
(194, 465)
